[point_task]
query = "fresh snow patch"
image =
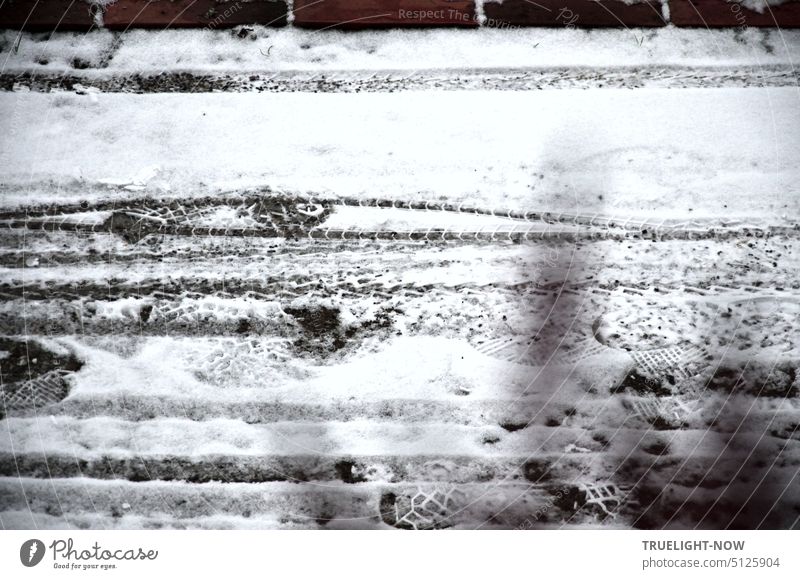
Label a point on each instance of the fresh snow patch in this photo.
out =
(657, 153)
(761, 6)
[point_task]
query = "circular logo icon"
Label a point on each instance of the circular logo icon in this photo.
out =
(31, 553)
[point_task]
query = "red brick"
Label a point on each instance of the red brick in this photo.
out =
(383, 13)
(46, 15)
(572, 13)
(163, 14)
(722, 13)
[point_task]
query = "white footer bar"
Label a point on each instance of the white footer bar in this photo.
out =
(350, 554)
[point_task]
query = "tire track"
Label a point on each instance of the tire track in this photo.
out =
(383, 81)
(303, 216)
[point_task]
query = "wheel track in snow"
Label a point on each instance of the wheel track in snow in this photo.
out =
(496, 416)
(66, 503)
(255, 314)
(389, 81)
(554, 454)
(296, 216)
(279, 287)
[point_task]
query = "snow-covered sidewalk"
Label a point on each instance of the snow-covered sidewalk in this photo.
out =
(649, 152)
(263, 50)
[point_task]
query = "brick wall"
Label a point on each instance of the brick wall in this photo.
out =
(42, 15)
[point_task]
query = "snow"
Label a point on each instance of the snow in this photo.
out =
(626, 2)
(101, 436)
(762, 6)
(480, 13)
(373, 218)
(496, 266)
(116, 437)
(94, 438)
(440, 364)
(25, 519)
(270, 50)
(651, 152)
